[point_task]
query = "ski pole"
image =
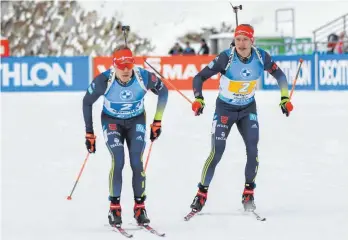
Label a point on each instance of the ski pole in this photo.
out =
(289, 106)
(148, 156)
(169, 83)
(294, 83)
(78, 177)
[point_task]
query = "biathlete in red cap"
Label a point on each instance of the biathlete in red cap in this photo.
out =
(240, 68)
(123, 119)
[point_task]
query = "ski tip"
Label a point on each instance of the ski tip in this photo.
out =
(188, 217)
(262, 219)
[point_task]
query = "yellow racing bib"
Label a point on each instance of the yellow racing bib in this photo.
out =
(242, 87)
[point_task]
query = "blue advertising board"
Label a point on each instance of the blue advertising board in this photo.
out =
(29, 74)
(289, 65)
(333, 72)
(50, 74)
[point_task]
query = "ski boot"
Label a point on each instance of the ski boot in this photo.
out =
(200, 198)
(140, 212)
(114, 215)
(248, 197)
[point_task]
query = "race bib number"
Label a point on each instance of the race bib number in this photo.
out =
(125, 109)
(242, 87)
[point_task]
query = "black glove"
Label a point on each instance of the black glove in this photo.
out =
(90, 142)
(155, 130)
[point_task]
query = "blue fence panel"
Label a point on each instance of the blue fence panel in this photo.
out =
(289, 65)
(39, 74)
(333, 72)
(31, 74)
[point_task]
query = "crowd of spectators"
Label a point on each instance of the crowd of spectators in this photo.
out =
(177, 49)
(337, 43)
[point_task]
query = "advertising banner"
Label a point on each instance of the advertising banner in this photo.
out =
(179, 70)
(333, 72)
(30, 74)
(4, 48)
(289, 65)
(25, 74)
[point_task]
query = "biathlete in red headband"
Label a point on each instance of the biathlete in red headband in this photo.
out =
(123, 87)
(240, 67)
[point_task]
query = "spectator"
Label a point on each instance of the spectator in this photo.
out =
(341, 46)
(204, 48)
(332, 40)
(188, 50)
(176, 49)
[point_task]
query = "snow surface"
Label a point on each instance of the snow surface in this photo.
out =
(301, 185)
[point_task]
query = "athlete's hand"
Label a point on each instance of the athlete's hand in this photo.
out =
(286, 106)
(155, 130)
(90, 142)
(198, 106)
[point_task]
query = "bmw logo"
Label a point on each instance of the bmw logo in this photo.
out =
(245, 73)
(126, 94)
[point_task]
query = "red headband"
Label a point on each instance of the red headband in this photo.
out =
(123, 58)
(246, 31)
